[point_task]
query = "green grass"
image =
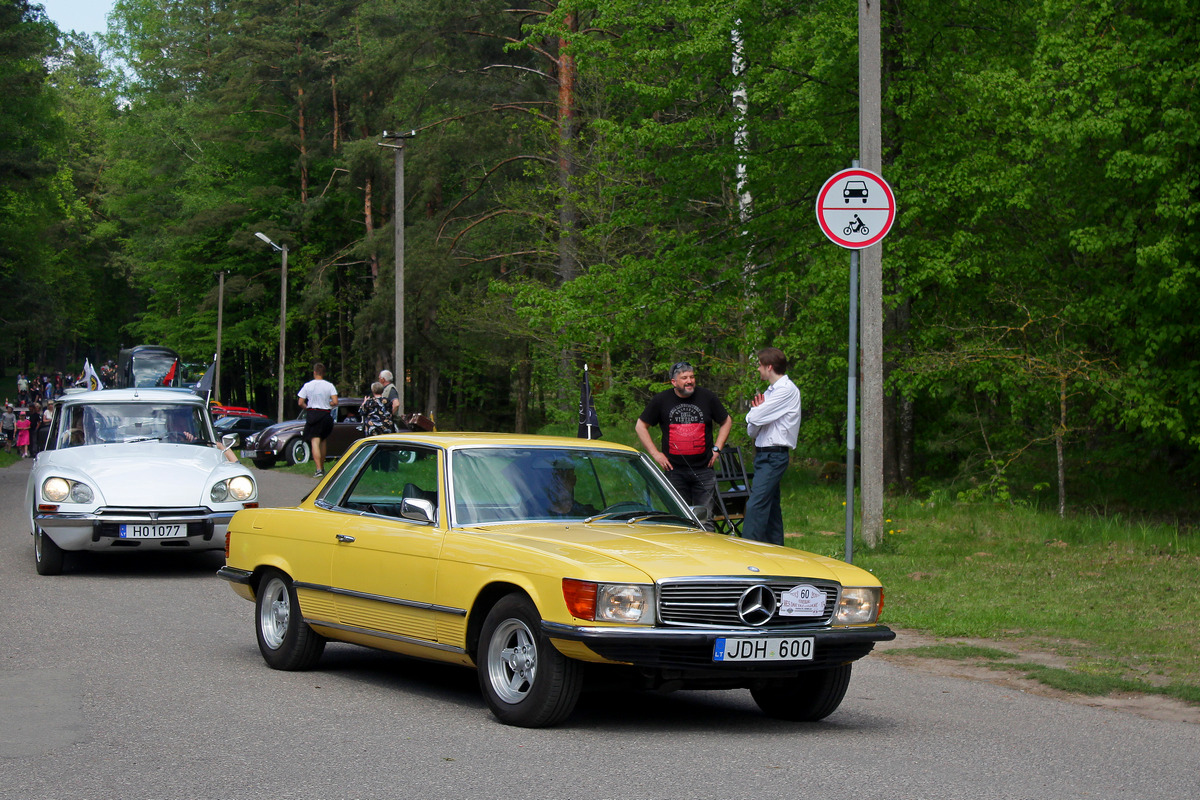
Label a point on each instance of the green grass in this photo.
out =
(1115, 597)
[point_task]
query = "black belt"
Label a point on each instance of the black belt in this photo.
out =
(775, 448)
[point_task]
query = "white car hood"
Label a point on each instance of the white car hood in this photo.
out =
(148, 474)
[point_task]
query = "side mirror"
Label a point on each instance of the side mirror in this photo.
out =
(701, 513)
(417, 510)
(229, 440)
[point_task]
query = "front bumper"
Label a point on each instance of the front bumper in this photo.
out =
(101, 530)
(691, 649)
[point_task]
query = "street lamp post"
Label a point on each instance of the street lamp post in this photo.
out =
(216, 387)
(282, 318)
(397, 145)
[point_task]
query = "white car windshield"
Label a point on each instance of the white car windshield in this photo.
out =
(113, 423)
(509, 485)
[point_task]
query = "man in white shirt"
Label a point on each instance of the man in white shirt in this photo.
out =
(773, 423)
(318, 397)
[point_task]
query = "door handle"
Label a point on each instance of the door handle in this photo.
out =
(341, 537)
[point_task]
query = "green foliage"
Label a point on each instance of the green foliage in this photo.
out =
(573, 196)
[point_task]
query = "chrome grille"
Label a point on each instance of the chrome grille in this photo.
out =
(714, 603)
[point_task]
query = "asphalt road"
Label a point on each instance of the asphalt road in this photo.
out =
(139, 677)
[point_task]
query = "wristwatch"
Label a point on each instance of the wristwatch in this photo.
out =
(716, 449)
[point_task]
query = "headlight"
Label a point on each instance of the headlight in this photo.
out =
(860, 605)
(239, 489)
(610, 602)
(61, 490)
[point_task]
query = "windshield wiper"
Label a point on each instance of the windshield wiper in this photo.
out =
(662, 515)
(609, 515)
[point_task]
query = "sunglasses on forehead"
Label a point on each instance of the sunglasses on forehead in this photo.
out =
(680, 366)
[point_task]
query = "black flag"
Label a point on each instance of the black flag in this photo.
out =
(589, 423)
(205, 386)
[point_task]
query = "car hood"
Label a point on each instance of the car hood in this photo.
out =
(148, 473)
(664, 551)
(278, 428)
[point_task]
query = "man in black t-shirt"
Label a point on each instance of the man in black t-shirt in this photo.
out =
(686, 414)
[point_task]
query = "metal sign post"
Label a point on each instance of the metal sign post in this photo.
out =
(851, 406)
(855, 209)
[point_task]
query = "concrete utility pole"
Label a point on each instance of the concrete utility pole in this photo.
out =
(871, 154)
(397, 145)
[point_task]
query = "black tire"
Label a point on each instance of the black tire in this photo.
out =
(264, 463)
(284, 639)
(525, 681)
(48, 557)
(298, 451)
(810, 697)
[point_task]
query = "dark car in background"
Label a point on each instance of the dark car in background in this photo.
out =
(149, 365)
(243, 425)
(284, 441)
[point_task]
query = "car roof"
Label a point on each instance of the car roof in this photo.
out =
(464, 439)
(145, 395)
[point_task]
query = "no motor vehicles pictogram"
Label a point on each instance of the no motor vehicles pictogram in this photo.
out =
(856, 208)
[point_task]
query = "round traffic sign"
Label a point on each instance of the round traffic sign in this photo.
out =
(856, 208)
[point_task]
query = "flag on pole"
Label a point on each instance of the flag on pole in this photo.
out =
(169, 378)
(589, 422)
(90, 378)
(205, 385)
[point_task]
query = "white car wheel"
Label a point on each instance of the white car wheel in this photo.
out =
(298, 451)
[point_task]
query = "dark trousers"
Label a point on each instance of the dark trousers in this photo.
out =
(697, 486)
(764, 516)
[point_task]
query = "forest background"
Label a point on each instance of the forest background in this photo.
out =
(628, 184)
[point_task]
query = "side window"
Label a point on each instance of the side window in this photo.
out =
(71, 431)
(389, 475)
(338, 487)
(52, 437)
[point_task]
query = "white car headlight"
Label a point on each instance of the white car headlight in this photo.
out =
(61, 490)
(610, 602)
(239, 489)
(859, 605)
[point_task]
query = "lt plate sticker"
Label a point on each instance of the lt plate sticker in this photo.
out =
(802, 601)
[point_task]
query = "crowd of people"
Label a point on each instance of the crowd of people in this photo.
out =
(21, 421)
(19, 425)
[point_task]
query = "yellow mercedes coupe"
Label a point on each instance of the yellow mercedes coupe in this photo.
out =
(537, 560)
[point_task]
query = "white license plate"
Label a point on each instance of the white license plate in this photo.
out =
(790, 648)
(131, 531)
(248, 453)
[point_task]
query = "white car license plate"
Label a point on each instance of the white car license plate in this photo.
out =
(247, 453)
(791, 648)
(132, 531)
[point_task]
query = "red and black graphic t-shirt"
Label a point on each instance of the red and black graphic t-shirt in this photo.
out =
(686, 424)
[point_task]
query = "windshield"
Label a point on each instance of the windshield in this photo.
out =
(155, 369)
(510, 485)
(109, 423)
